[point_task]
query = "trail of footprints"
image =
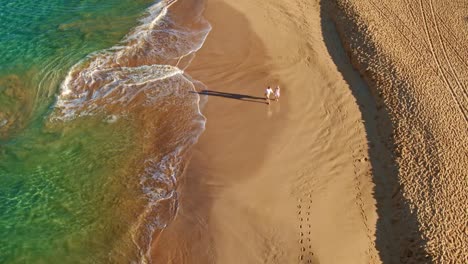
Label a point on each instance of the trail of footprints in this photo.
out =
(306, 254)
(359, 168)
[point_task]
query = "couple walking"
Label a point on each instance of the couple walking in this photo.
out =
(269, 92)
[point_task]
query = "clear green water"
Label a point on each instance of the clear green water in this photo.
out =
(68, 192)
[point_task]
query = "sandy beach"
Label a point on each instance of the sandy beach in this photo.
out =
(362, 160)
(413, 55)
(136, 131)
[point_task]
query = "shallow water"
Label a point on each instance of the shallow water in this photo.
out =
(96, 117)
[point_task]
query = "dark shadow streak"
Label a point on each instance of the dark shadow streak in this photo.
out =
(242, 97)
(398, 239)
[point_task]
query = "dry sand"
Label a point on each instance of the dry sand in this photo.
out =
(312, 178)
(415, 57)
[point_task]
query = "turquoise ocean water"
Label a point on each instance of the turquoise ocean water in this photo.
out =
(96, 116)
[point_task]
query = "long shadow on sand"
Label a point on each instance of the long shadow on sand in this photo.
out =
(242, 97)
(190, 237)
(398, 239)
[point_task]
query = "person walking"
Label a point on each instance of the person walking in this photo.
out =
(277, 93)
(268, 92)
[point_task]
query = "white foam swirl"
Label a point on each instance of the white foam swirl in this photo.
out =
(151, 52)
(145, 72)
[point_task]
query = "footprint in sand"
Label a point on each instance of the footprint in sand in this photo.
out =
(306, 254)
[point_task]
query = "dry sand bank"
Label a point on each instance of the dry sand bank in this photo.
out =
(414, 55)
(288, 183)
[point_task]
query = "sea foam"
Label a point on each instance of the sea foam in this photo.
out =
(144, 75)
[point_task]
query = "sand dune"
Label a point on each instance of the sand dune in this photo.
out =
(336, 172)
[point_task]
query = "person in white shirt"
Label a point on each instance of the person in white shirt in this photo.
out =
(268, 92)
(277, 93)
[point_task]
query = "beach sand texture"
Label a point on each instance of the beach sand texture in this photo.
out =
(337, 171)
(415, 57)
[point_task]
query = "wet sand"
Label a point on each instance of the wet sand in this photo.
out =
(327, 174)
(285, 183)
